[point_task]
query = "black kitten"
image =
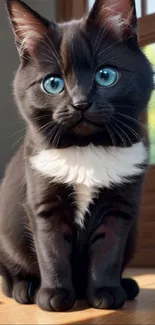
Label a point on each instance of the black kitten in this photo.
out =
(70, 196)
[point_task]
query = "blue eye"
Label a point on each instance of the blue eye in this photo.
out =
(53, 85)
(106, 76)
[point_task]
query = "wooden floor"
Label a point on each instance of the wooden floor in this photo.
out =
(140, 311)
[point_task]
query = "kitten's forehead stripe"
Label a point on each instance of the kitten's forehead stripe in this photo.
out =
(65, 51)
(74, 61)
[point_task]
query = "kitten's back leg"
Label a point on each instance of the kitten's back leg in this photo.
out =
(18, 260)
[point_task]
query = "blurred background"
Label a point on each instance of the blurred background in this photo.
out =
(12, 129)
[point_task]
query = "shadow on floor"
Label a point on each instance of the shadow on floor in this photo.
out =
(139, 311)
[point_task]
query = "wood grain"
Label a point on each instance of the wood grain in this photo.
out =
(70, 9)
(145, 253)
(140, 311)
(146, 26)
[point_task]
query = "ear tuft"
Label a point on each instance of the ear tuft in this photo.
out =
(117, 16)
(27, 24)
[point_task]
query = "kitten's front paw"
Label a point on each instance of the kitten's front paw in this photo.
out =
(107, 298)
(55, 299)
(24, 291)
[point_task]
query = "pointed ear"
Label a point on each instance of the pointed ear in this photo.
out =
(28, 25)
(117, 16)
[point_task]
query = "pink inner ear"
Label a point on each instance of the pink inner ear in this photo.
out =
(121, 6)
(116, 14)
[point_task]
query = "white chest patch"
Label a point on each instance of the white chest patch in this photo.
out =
(90, 168)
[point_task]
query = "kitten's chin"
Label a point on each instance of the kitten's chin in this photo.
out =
(85, 128)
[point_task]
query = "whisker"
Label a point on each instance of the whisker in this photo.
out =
(17, 141)
(121, 136)
(111, 134)
(55, 134)
(125, 135)
(130, 129)
(45, 127)
(132, 119)
(12, 135)
(48, 133)
(39, 118)
(57, 137)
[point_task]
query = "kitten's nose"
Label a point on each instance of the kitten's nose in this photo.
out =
(82, 106)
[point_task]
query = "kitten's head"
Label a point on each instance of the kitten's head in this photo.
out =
(84, 81)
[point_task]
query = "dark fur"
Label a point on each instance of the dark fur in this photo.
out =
(44, 257)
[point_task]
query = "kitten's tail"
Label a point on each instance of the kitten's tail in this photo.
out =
(130, 287)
